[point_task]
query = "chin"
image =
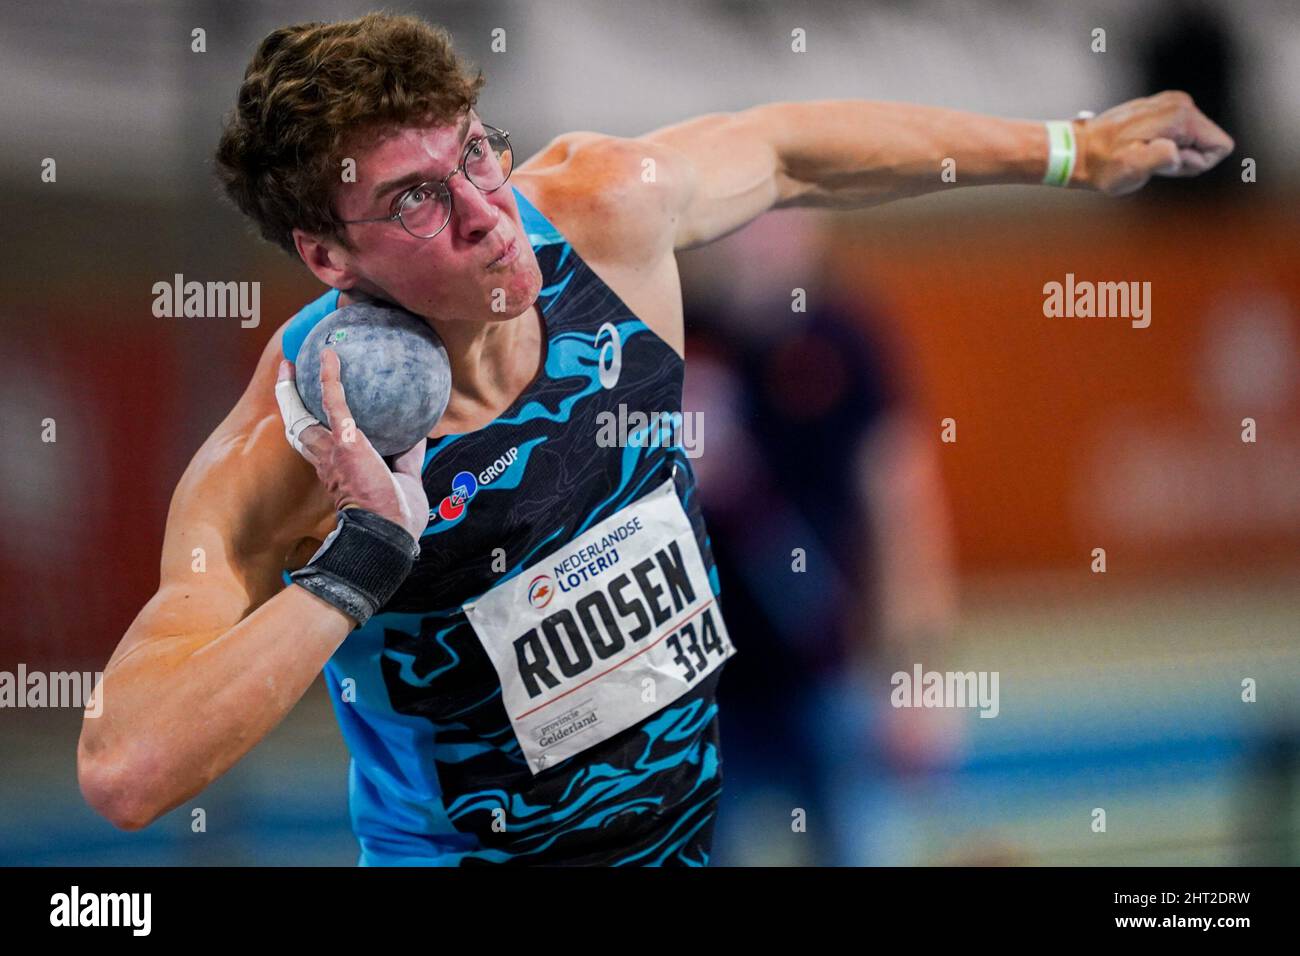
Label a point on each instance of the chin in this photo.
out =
(513, 309)
(521, 291)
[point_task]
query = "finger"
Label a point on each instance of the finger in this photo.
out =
(411, 461)
(293, 412)
(1208, 138)
(1179, 119)
(333, 399)
(1159, 157)
(316, 442)
(403, 506)
(1194, 163)
(303, 430)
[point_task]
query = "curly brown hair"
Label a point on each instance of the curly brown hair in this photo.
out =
(313, 89)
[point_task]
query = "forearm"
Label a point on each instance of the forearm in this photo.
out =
(179, 712)
(853, 153)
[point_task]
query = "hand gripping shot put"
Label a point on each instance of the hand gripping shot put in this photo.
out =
(399, 381)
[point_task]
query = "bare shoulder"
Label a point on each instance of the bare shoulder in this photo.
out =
(246, 479)
(613, 197)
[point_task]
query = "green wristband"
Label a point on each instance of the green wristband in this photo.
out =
(1062, 150)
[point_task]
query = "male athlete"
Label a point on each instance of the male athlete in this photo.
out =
(518, 619)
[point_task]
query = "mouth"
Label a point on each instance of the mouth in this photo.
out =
(507, 256)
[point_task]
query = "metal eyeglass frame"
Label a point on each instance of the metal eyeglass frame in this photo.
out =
(451, 200)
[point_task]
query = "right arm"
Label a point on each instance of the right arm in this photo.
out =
(219, 656)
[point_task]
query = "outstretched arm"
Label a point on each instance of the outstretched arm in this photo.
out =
(725, 169)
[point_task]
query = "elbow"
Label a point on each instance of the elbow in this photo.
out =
(116, 790)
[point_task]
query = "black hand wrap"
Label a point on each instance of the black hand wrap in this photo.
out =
(361, 564)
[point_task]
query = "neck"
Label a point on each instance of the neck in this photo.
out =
(489, 365)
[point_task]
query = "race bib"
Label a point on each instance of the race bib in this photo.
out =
(604, 632)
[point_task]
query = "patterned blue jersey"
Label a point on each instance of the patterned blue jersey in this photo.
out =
(435, 760)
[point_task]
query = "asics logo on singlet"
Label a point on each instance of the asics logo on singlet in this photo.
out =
(466, 484)
(609, 355)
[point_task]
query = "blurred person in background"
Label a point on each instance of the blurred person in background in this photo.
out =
(812, 440)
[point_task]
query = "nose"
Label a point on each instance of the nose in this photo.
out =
(475, 216)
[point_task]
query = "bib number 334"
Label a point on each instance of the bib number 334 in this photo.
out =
(604, 632)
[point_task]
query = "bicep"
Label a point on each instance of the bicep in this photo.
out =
(723, 171)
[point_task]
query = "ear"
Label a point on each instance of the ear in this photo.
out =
(327, 260)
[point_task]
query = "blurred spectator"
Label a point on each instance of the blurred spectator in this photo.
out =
(810, 443)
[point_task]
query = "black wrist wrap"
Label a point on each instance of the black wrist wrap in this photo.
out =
(361, 564)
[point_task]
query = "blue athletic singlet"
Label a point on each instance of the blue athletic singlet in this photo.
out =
(435, 761)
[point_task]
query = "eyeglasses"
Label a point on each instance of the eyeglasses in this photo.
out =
(425, 210)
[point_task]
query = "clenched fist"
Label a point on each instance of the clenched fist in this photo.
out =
(1160, 135)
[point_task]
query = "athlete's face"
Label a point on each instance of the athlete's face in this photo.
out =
(451, 276)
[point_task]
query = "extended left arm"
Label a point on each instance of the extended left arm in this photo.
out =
(727, 168)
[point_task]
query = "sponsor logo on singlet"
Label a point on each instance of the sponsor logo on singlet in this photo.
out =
(466, 484)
